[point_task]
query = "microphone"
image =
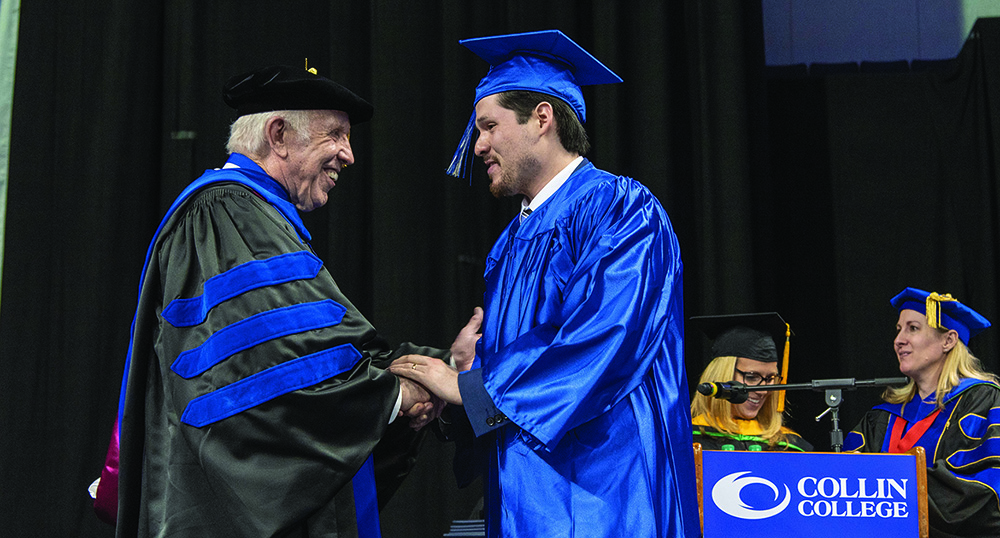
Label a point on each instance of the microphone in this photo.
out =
(734, 392)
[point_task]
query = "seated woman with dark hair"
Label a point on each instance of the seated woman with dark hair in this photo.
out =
(744, 350)
(950, 407)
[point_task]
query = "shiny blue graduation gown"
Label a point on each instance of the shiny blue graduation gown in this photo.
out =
(582, 350)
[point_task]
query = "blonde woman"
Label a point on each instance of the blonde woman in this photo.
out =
(950, 407)
(744, 350)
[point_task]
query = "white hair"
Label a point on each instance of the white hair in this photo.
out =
(247, 135)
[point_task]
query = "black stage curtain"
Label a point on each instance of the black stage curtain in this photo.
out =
(771, 185)
(117, 108)
(883, 180)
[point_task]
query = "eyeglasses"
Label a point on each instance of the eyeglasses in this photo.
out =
(753, 378)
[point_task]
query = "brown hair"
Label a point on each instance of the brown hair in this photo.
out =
(572, 135)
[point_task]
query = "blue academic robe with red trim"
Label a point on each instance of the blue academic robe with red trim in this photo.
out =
(963, 455)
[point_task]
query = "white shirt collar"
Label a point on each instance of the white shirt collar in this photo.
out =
(550, 188)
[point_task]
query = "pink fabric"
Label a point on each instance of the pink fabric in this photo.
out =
(106, 502)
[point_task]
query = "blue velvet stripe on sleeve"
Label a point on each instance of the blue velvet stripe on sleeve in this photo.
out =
(251, 176)
(853, 441)
(240, 279)
(263, 386)
(254, 330)
(982, 462)
(976, 427)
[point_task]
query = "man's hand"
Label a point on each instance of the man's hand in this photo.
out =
(434, 375)
(414, 396)
(463, 349)
(418, 404)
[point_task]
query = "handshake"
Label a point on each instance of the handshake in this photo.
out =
(428, 384)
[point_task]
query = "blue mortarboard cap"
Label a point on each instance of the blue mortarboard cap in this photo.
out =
(941, 310)
(547, 62)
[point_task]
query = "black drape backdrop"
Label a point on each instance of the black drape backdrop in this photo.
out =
(882, 180)
(819, 197)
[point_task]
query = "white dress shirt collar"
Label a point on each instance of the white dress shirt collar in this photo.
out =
(550, 188)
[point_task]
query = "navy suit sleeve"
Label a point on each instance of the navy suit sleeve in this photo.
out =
(479, 407)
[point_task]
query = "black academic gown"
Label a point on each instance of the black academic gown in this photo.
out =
(255, 391)
(963, 457)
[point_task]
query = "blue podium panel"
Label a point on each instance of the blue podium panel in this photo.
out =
(796, 494)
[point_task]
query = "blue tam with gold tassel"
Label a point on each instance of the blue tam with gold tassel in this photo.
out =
(547, 62)
(942, 311)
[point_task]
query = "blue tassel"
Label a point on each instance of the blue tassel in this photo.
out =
(459, 166)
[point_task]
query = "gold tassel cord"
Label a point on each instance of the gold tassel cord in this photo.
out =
(933, 309)
(784, 367)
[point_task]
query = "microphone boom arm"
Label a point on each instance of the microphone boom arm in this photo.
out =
(843, 383)
(738, 392)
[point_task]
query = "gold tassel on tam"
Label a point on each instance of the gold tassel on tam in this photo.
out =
(934, 309)
(784, 368)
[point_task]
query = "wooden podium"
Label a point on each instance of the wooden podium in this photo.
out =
(828, 496)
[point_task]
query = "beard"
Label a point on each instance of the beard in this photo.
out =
(516, 178)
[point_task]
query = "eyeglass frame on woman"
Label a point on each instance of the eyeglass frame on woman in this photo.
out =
(773, 379)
